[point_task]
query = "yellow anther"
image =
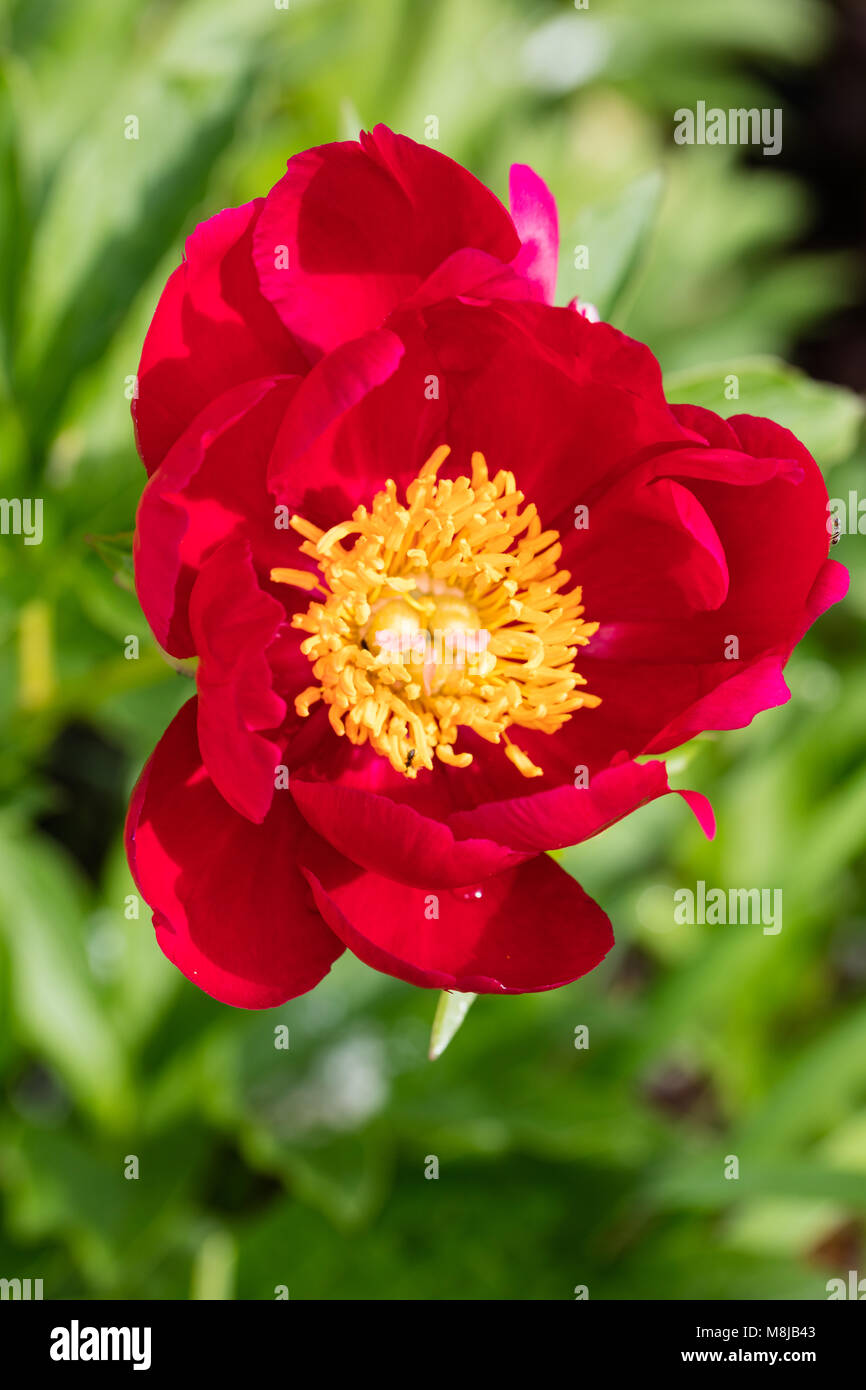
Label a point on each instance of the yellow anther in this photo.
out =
(445, 612)
(302, 579)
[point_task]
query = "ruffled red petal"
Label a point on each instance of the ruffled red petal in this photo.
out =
(530, 928)
(568, 815)
(230, 906)
(212, 329)
(211, 485)
(395, 839)
(354, 228)
(233, 624)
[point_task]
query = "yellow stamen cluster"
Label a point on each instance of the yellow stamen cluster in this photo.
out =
(458, 560)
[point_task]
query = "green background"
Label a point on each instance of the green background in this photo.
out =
(305, 1167)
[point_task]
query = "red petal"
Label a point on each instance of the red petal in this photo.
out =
(394, 839)
(531, 928)
(830, 587)
(211, 485)
(363, 225)
(649, 552)
(471, 275)
(663, 679)
(212, 329)
(341, 381)
(569, 407)
(732, 704)
(569, 815)
(233, 623)
(230, 907)
(533, 211)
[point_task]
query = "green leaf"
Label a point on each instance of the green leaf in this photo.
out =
(121, 198)
(450, 1013)
(616, 235)
(116, 551)
(12, 218)
(54, 993)
(213, 1273)
(349, 121)
(700, 1181)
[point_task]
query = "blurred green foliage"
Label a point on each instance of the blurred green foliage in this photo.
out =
(305, 1167)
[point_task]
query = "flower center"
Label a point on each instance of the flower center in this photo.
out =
(446, 611)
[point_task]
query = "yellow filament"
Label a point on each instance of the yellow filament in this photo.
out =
(459, 556)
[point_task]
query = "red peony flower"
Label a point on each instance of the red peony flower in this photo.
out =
(449, 563)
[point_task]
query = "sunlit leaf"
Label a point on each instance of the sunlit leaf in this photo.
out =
(450, 1013)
